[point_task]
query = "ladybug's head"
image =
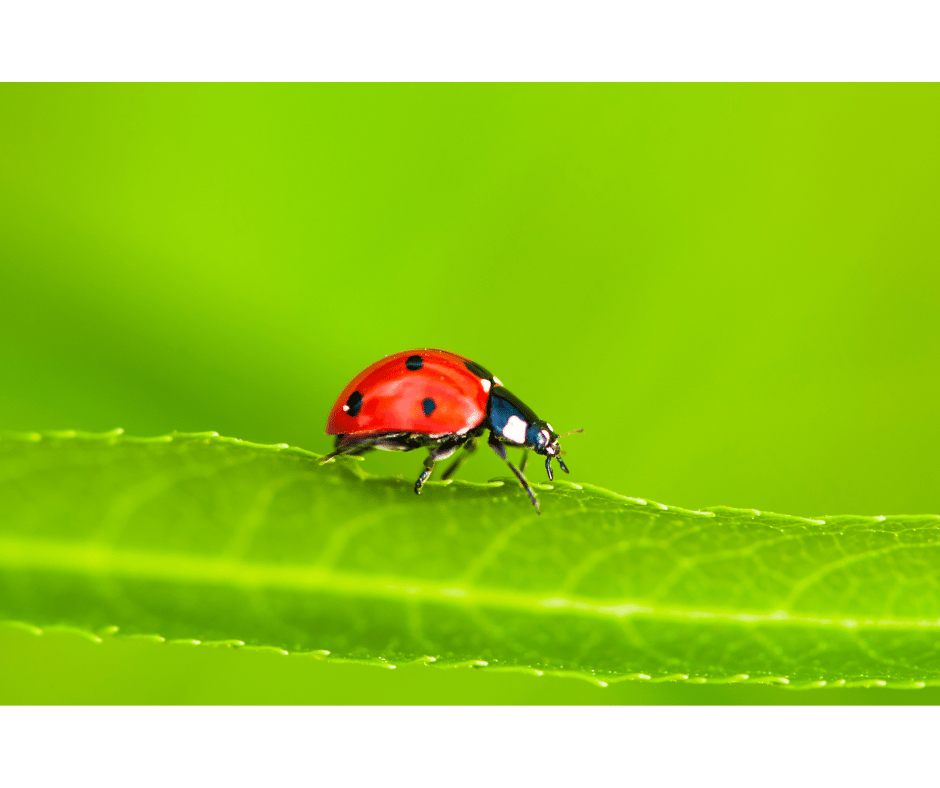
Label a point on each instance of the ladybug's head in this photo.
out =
(541, 438)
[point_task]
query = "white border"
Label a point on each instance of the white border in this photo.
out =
(470, 746)
(480, 40)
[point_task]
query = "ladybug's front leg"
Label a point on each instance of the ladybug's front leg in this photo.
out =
(441, 452)
(500, 451)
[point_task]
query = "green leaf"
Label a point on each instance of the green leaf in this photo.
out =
(216, 540)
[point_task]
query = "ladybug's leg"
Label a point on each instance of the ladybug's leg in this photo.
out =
(359, 445)
(500, 451)
(428, 467)
(349, 448)
(524, 461)
(469, 448)
(441, 452)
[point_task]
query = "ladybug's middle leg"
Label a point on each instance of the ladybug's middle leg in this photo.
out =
(468, 448)
(441, 452)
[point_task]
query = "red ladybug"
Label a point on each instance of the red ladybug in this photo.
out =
(440, 401)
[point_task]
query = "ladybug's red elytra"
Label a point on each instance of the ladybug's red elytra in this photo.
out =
(440, 401)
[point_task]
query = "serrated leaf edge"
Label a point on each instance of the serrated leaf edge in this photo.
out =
(354, 464)
(597, 680)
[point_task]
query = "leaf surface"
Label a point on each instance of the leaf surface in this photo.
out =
(213, 539)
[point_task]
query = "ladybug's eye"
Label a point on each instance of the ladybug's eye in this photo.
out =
(544, 437)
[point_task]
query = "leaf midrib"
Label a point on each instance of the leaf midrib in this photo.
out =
(102, 560)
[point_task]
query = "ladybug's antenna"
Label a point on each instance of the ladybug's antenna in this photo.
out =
(562, 451)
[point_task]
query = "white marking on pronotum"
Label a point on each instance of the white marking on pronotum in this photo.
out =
(515, 430)
(549, 426)
(486, 385)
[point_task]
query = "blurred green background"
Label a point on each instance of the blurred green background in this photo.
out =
(732, 288)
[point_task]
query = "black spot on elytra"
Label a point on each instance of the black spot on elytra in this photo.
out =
(354, 403)
(476, 369)
(428, 405)
(414, 363)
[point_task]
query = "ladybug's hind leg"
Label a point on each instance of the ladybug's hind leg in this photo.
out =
(500, 451)
(346, 444)
(441, 452)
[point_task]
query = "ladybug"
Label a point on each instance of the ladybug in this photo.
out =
(440, 401)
